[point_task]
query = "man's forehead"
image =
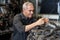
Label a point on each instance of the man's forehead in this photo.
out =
(30, 7)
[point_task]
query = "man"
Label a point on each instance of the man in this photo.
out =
(24, 22)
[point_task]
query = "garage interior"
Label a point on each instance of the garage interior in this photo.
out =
(43, 8)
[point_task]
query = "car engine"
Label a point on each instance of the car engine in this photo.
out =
(49, 31)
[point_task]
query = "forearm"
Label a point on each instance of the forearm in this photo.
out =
(38, 22)
(30, 26)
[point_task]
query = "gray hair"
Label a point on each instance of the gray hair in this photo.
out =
(26, 4)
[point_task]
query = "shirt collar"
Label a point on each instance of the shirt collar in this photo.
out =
(23, 17)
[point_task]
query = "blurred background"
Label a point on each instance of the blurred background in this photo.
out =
(9, 8)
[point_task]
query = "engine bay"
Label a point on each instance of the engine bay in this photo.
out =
(49, 31)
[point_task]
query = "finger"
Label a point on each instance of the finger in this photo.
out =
(46, 20)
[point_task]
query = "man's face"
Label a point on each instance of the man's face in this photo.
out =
(29, 11)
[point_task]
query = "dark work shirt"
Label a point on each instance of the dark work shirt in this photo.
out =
(19, 23)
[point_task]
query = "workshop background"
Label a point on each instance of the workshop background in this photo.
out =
(43, 8)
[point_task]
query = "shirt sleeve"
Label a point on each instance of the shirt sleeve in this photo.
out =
(18, 24)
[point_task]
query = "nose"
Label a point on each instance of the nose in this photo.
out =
(31, 12)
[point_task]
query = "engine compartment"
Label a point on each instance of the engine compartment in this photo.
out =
(49, 31)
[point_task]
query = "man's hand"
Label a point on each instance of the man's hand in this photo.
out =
(46, 20)
(42, 21)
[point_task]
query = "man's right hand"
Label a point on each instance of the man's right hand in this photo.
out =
(41, 21)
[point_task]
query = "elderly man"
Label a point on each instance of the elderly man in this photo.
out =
(24, 22)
